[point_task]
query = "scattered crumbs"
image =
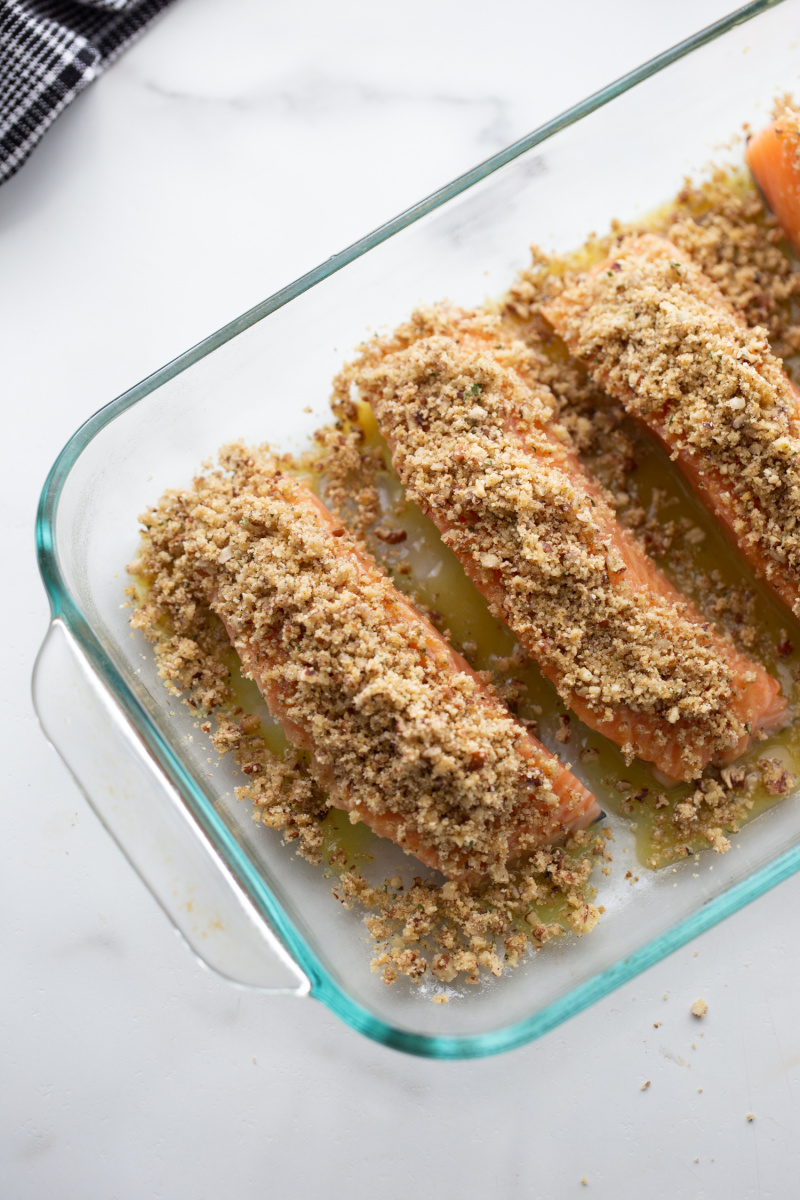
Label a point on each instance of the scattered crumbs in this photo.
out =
(441, 998)
(751, 1116)
(699, 1008)
(563, 733)
(721, 801)
(584, 1181)
(697, 1160)
(694, 1045)
(699, 1089)
(645, 1085)
(776, 777)
(657, 1024)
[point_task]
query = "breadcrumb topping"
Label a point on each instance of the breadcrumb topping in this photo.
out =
(660, 336)
(475, 441)
(729, 233)
(726, 228)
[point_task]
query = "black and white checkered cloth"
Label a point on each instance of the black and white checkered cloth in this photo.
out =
(49, 51)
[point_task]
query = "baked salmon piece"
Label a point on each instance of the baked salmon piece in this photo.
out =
(473, 437)
(772, 156)
(399, 730)
(659, 336)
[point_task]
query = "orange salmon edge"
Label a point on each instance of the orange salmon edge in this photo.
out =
(777, 173)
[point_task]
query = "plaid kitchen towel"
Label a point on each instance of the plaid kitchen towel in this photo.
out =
(49, 51)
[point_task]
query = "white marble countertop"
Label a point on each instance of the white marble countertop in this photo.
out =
(216, 161)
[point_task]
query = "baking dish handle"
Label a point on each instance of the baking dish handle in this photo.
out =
(151, 824)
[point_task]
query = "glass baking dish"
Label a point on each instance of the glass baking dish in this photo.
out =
(243, 902)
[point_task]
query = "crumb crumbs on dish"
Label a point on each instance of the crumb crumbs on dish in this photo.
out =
(718, 805)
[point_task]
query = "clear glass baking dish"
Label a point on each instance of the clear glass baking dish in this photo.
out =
(245, 905)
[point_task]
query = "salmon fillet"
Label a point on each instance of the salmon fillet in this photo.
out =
(399, 730)
(773, 157)
(473, 437)
(660, 337)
